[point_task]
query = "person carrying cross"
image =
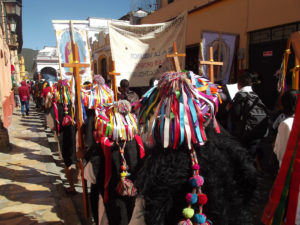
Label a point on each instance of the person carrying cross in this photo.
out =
(124, 93)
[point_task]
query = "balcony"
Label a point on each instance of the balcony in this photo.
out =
(13, 14)
(13, 8)
(13, 42)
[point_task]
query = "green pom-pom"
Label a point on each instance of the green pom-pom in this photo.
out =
(188, 213)
(172, 115)
(177, 94)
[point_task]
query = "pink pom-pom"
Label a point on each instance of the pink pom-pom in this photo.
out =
(196, 167)
(185, 222)
(188, 197)
(196, 181)
(99, 79)
(200, 180)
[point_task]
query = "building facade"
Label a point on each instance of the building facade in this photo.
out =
(99, 45)
(13, 19)
(101, 53)
(46, 60)
(10, 46)
(262, 29)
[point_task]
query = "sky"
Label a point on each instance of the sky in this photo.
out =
(37, 15)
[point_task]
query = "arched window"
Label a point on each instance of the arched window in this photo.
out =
(95, 68)
(104, 68)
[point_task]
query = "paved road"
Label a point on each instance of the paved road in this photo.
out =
(31, 177)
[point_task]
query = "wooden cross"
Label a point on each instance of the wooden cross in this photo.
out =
(113, 75)
(76, 67)
(211, 64)
(175, 57)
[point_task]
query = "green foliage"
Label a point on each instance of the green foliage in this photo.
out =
(29, 55)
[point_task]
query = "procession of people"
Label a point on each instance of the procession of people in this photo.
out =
(135, 149)
(154, 130)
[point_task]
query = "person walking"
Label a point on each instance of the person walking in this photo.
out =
(24, 97)
(16, 95)
(248, 116)
(288, 102)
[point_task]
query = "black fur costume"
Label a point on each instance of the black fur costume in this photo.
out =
(229, 181)
(118, 208)
(66, 136)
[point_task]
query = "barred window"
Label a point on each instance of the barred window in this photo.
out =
(273, 34)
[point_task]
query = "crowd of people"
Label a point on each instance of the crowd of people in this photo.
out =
(248, 131)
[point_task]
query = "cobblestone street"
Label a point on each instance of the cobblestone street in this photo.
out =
(31, 177)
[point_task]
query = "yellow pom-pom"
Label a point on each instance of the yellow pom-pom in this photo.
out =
(188, 213)
(123, 174)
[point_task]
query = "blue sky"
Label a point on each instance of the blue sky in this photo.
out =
(37, 15)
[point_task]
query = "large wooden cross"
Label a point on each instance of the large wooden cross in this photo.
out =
(211, 64)
(175, 56)
(76, 67)
(113, 75)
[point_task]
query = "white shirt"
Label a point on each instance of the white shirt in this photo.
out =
(246, 89)
(282, 138)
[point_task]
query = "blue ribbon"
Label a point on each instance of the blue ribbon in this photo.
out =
(148, 93)
(208, 92)
(84, 116)
(153, 131)
(195, 119)
(181, 117)
(149, 102)
(198, 84)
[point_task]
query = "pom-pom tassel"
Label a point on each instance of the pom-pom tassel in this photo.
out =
(188, 213)
(202, 199)
(185, 222)
(196, 181)
(200, 219)
(191, 198)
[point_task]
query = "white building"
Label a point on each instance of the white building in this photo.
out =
(46, 58)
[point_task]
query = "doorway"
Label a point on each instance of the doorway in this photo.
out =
(192, 58)
(265, 57)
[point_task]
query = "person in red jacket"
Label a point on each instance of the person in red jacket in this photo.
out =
(24, 97)
(44, 94)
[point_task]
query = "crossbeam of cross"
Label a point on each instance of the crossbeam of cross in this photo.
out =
(211, 64)
(175, 56)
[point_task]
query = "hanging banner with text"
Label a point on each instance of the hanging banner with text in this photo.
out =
(65, 54)
(140, 51)
(223, 50)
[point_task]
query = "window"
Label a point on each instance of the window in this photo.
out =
(273, 34)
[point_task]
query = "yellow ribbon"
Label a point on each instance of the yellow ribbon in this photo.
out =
(295, 79)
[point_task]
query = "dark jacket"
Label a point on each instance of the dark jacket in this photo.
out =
(24, 92)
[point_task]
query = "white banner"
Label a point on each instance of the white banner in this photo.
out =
(140, 51)
(64, 47)
(226, 42)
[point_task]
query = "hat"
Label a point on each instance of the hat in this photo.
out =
(174, 112)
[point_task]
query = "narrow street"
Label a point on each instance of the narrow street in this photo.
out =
(31, 177)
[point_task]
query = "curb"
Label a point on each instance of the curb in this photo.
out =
(65, 204)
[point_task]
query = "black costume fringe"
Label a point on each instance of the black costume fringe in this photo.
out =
(230, 180)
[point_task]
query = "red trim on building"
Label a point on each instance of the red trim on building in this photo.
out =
(8, 108)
